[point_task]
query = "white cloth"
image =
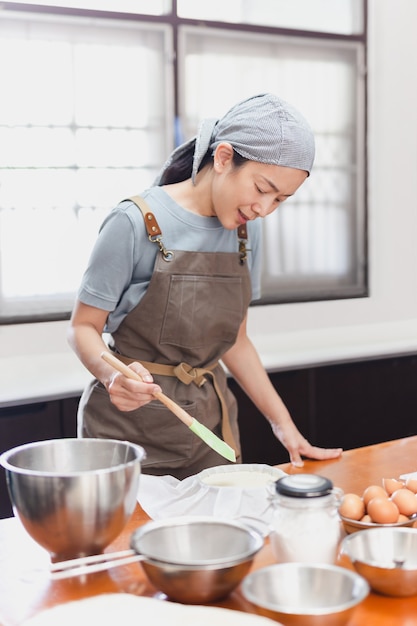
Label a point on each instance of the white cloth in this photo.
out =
(165, 496)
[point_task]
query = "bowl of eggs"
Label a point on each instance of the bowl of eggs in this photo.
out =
(393, 504)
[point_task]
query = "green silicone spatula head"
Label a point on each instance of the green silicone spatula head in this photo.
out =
(213, 441)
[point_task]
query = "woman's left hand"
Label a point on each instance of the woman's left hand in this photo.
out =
(299, 447)
(244, 363)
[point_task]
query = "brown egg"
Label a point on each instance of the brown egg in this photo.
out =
(405, 500)
(383, 510)
(402, 518)
(373, 491)
(367, 519)
(352, 506)
(411, 484)
(391, 484)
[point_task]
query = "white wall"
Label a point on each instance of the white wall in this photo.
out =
(390, 312)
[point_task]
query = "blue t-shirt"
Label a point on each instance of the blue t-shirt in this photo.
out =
(123, 258)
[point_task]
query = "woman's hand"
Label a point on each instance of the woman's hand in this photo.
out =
(298, 446)
(85, 335)
(244, 363)
(127, 394)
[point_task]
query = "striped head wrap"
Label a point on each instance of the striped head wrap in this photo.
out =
(263, 128)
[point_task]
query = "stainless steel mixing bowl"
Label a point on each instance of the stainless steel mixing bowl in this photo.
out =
(73, 496)
(196, 559)
(386, 557)
(301, 594)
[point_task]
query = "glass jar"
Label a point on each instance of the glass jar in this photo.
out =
(306, 526)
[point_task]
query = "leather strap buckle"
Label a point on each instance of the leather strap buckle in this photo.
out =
(187, 374)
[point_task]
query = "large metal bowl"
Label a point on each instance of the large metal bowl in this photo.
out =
(301, 594)
(73, 496)
(386, 557)
(196, 560)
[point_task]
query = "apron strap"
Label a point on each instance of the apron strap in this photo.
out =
(155, 234)
(197, 375)
(152, 226)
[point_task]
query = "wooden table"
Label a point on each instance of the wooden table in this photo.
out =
(25, 587)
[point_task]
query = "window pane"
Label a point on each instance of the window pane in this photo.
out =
(23, 189)
(312, 243)
(43, 147)
(336, 16)
(155, 7)
(130, 68)
(94, 130)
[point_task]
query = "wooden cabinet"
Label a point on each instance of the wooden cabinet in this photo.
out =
(259, 445)
(347, 405)
(364, 403)
(69, 408)
(33, 422)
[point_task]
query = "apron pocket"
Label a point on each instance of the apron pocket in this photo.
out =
(194, 318)
(167, 441)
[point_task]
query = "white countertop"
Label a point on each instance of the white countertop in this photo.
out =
(309, 348)
(36, 378)
(52, 375)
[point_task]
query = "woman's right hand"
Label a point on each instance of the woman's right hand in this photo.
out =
(127, 394)
(85, 336)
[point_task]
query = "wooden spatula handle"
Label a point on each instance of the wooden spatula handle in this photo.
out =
(129, 373)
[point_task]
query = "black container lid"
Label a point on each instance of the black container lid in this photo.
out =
(303, 486)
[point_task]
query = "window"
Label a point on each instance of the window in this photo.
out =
(77, 135)
(94, 105)
(314, 243)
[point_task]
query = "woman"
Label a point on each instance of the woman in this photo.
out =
(170, 279)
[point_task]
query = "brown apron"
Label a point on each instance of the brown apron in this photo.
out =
(188, 318)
